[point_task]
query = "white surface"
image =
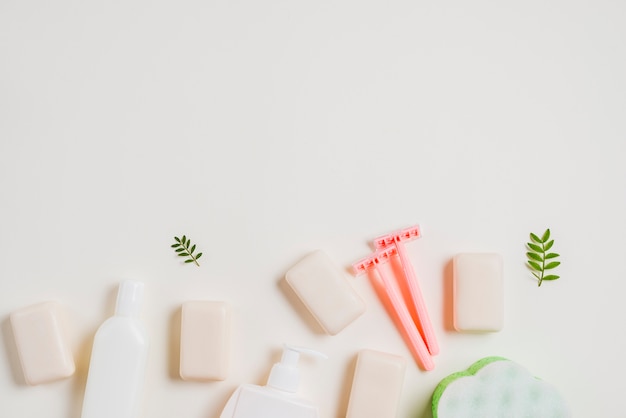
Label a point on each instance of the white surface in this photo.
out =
(477, 292)
(266, 130)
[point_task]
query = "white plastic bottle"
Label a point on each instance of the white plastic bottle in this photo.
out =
(277, 399)
(118, 360)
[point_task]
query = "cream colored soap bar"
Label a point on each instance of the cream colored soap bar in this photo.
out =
(42, 343)
(325, 291)
(478, 292)
(376, 386)
(204, 340)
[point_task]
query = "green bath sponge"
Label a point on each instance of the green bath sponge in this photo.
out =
(495, 387)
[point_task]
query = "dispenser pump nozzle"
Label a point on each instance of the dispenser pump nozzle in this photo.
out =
(285, 375)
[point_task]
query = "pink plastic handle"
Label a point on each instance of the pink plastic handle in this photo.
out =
(396, 239)
(403, 318)
(418, 301)
(417, 345)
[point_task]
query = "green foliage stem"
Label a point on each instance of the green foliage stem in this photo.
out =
(185, 249)
(538, 257)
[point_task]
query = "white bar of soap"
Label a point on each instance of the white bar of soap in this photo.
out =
(41, 339)
(204, 340)
(376, 386)
(478, 292)
(324, 289)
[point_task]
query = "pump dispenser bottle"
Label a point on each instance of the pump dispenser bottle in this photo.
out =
(118, 360)
(277, 399)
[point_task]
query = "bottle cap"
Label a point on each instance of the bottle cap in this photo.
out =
(129, 298)
(285, 375)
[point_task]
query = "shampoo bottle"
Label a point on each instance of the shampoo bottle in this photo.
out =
(118, 360)
(277, 399)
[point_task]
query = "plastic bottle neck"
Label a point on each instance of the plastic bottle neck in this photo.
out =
(285, 376)
(129, 298)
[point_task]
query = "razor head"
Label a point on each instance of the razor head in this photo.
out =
(382, 255)
(403, 235)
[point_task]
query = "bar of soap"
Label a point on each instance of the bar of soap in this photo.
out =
(204, 340)
(324, 289)
(41, 339)
(478, 292)
(376, 386)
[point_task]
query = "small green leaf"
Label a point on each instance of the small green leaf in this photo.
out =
(552, 265)
(538, 254)
(534, 256)
(182, 249)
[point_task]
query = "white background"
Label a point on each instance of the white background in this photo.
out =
(267, 129)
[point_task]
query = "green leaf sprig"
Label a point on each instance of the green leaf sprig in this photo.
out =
(538, 256)
(183, 249)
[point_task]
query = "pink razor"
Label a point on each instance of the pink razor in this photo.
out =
(397, 240)
(403, 317)
(417, 330)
